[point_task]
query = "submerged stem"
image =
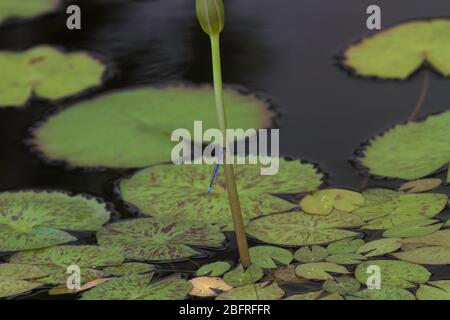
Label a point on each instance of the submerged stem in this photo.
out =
(422, 96)
(233, 196)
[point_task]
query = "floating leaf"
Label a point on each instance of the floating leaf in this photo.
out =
(286, 274)
(415, 228)
(240, 277)
(13, 278)
(305, 296)
(421, 185)
(139, 287)
(403, 209)
(310, 254)
(25, 8)
(133, 128)
(344, 246)
(214, 269)
(47, 73)
(384, 293)
(323, 202)
(410, 151)
(31, 220)
(265, 256)
(260, 291)
(64, 290)
(298, 228)
(158, 240)
(128, 269)
(319, 270)
(55, 261)
(435, 290)
(397, 52)
(380, 247)
(394, 273)
(342, 285)
(377, 195)
(180, 192)
(346, 258)
(332, 297)
(208, 286)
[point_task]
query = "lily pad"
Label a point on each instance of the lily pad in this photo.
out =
(128, 269)
(421, 185)
(286, 274)
(394, 273)
(159, 240)
(412, 150)
(214, 269)
(415, 228)
(260, 291)
(180, 192)
(298, 228)
(240, 277)
(319, 270)
(139, 287)
(310, 254)
(208, 286)
(55, 261)
(434, 290)
(323, 202)
(342, 285)
(380, 247)
(266, 256)
(384, 293)
(403, 209)
(25, 8)
(345, 246)
(346, 258)
(31, 220)
(397, 52)
(306, 296)
(47, 73)
(133, 128)
(375, 196)
(18, 278)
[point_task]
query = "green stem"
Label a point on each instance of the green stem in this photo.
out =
(233, 196)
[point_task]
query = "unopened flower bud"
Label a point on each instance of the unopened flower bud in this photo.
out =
(211, 15)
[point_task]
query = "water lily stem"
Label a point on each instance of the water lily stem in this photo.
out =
(422, 96)
(230, 179)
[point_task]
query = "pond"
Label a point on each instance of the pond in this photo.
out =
(288, 53)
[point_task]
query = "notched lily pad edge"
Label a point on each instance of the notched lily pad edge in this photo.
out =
(98, 93)
(340, 56)
(360, 152)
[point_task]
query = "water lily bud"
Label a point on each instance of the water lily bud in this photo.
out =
(211, 15)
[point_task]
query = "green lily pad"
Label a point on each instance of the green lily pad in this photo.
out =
(333, 297)
(306, 296)
(415, 228)
(260, 291)
(159, 240)
(128, 269)
(180, 192)
(434, 290)
(25, 8)
(32, 220)
(397, 52)
(286, 274)
(265, 256)
(380, 247)
(421, 185)
(240, 277)
(214, 269)
(323, 202)
(384, 293)
(46, 72)
(403, 209)
(319, 270)
(133, 128)
(298, 228)
(345, 246)
(14, 278)
(375, 196)
(139, 287)
(394, 273)
(346, 258)
(54, 261)
(410, 151)
(342, 285)
(310, 254)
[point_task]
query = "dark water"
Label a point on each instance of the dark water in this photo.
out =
(283, 48)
